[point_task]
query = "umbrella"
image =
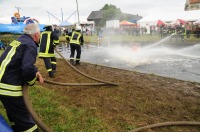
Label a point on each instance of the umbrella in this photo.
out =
(65, 24)
(127, 23)
(197, 22)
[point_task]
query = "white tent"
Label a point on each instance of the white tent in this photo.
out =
(197, 22)
(189, 16)
(169, 17)
(65, 24)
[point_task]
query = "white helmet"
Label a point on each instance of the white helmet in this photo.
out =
(78, 27)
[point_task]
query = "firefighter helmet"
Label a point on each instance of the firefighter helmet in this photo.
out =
(78, 27)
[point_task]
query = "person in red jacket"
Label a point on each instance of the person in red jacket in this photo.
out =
(16, 69)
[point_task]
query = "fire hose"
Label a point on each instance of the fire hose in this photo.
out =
(28, 103)
(106, 82)
(42, 126)
(176, 123)
(33, 114)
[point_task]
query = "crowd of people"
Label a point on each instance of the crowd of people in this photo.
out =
(181, 31)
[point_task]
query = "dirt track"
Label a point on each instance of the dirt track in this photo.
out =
(140, 99)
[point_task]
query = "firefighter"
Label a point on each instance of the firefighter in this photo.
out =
(16, 69)
(67, 37)
(48, 41)
(76, 41)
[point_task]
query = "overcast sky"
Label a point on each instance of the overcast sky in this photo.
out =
(38, 8)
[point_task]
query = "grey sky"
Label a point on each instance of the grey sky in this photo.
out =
(38, 8)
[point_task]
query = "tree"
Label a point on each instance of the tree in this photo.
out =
(110, 12)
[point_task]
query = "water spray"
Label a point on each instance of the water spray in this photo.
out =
(161, 40)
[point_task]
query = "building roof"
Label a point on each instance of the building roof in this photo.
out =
(131, 16)
(94, 15)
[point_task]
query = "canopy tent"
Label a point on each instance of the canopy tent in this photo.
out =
(160, 23)
(179, 22)
(127, 23)
(65, 24)
(171, 16)
(133, 21)
(197, 22)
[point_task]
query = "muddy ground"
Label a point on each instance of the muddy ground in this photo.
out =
(138, 100)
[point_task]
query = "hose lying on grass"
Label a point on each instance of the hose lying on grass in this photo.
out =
(28, 104)
(42, 126)
(106, 82)
(33, 114)
(74, 84)
(164, 124)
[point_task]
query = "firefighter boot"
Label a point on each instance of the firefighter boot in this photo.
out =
(77, 62)
(72, 61)
(51, 74)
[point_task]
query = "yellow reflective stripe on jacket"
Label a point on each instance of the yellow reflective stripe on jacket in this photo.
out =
(31, 129)
(10, 90)
(9, 56)
(10, 87)
(32, 82)
(48, 40)
(77, 40)
(10, 93)
(55, 42)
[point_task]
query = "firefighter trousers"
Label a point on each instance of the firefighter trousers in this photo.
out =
(18, 114)
(77, 48)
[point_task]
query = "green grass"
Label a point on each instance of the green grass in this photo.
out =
(48, 106)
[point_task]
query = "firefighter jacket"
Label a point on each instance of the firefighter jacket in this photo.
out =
(17, 66)
(67, 38)
(76, 38)
(48, 40)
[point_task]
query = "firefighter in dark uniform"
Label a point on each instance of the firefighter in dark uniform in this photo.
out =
(48, 41)
(67, 37)
(76, 41)
(16, 69)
